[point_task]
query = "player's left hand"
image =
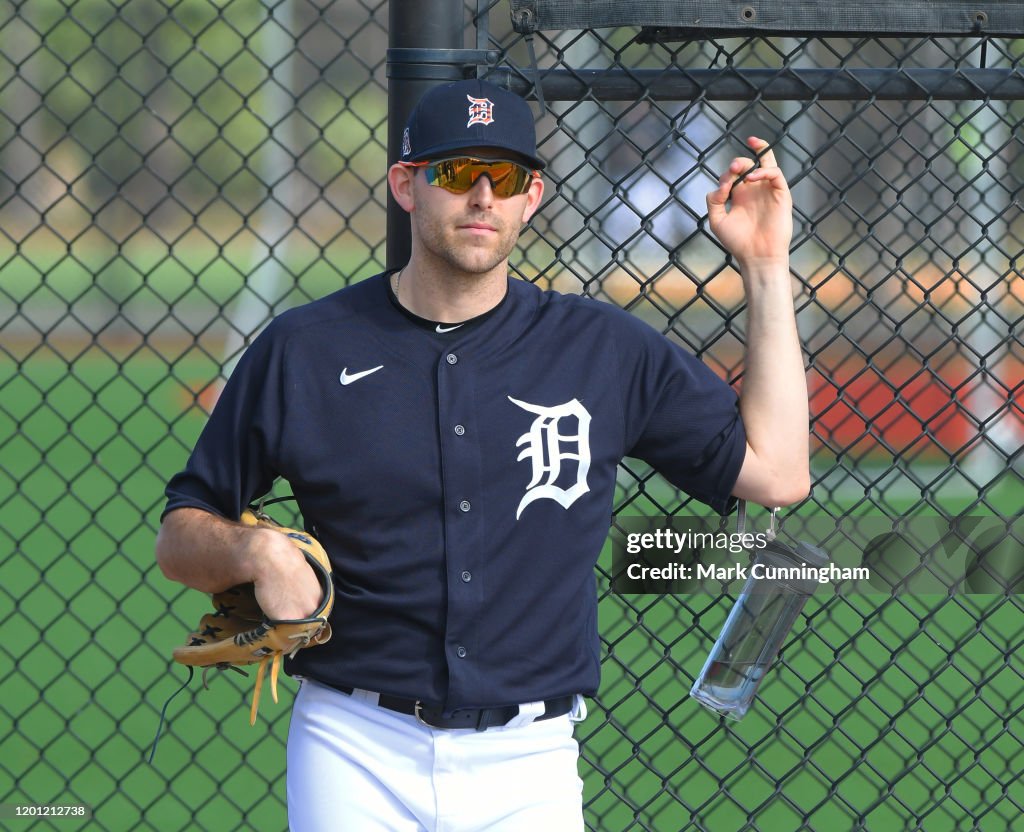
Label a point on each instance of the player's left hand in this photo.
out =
(757, 225)
(242, 631)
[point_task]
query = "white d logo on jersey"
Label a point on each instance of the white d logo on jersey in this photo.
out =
(544, 448)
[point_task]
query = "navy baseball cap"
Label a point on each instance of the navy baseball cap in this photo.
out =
(467, 114)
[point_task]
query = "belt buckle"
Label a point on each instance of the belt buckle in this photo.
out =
(416, 713)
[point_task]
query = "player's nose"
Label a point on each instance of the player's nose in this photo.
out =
(482, 192)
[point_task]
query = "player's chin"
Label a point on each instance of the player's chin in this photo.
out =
(479, 265)
(481, 258)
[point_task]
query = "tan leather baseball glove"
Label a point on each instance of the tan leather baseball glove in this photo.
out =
(237, 633)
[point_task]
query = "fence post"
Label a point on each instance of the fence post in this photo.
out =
(426, 24)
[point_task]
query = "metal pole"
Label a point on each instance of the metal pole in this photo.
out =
(267, 278)
(431, 24)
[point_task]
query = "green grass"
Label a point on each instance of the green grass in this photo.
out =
(884, 713)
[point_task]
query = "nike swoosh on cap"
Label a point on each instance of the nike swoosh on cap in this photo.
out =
(440, 328)
(347, 377)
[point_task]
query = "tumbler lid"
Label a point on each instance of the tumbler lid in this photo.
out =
(786, 564)
(812, 555)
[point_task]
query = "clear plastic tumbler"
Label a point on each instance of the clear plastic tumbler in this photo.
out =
(763, 615)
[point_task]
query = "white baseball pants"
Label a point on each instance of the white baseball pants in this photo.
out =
(355, 767)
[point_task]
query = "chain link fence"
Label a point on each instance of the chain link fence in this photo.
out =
(174, 174)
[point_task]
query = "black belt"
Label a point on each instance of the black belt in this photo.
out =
(479, 719)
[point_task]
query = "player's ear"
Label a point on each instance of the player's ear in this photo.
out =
(400, 180)
(533, 198)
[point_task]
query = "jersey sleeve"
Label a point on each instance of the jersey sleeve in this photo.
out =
(682, 419)
(233, 459)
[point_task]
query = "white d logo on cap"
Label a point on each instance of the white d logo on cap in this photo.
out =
(481, 111)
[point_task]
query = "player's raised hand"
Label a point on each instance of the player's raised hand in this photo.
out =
(754, 217)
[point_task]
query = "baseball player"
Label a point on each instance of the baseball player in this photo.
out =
(452, 435)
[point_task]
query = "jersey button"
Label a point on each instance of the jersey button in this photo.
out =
(461, 651)
(459, 430)
(464, 505)
(452, 358)
(467, 576)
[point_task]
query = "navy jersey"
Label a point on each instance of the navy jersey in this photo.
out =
(462, 486)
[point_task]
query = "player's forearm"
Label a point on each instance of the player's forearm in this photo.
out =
(204, 551)
(773, 401)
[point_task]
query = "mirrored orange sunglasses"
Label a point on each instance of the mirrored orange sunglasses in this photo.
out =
(459, 174)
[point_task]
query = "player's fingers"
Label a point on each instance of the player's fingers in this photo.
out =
(764, 175)
(739, 167)
(716, 203)
(719, 196)
(716, 200)
(773, 177)
(721, 193)
(739, 171)
(735, 175)
(764, 152)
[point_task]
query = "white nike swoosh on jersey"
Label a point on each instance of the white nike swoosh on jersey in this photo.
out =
(440, 328)
(348, 378)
